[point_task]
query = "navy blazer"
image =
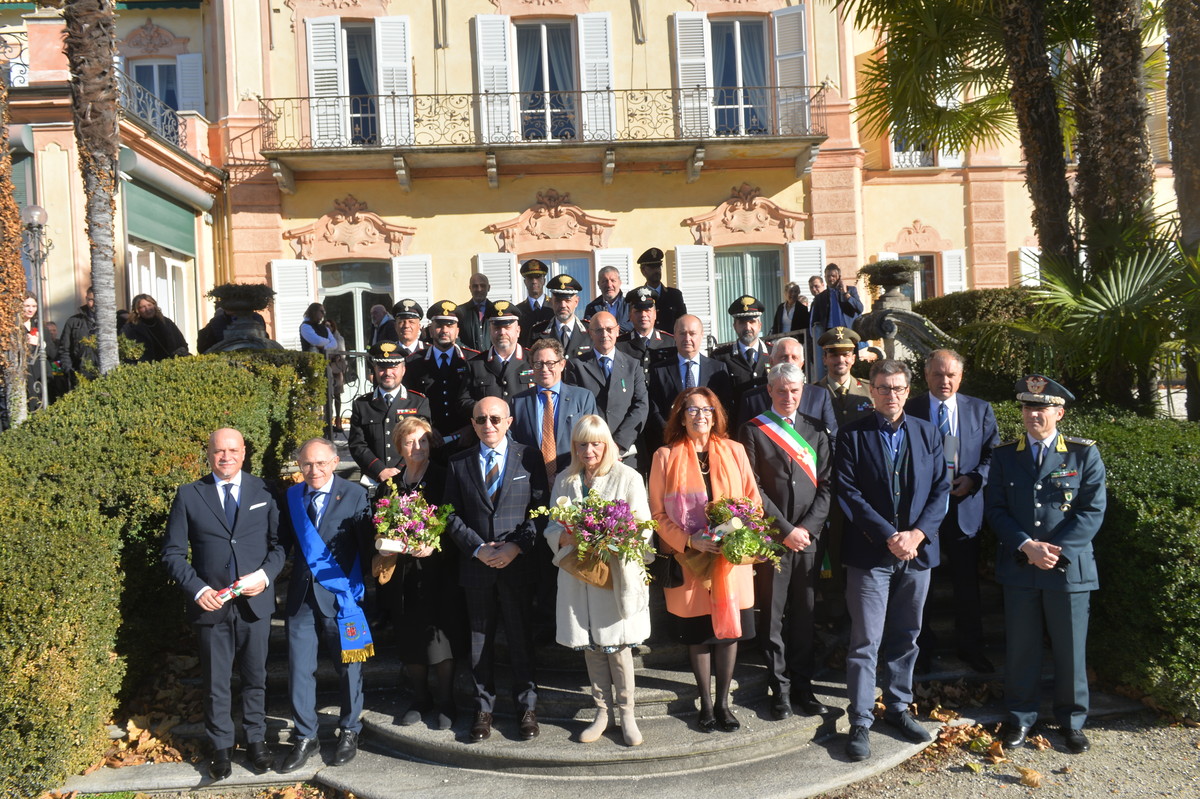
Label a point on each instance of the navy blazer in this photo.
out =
(477, 519)
(346, 529)
(622, 399)
(977, 436)
(573, 402)
(666, 384)
(198, 519)
(815, 403)
(865, 494)
(851, 307)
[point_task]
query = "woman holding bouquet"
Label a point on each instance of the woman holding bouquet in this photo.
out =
(606, 623)
(714, 604)
(424, 599)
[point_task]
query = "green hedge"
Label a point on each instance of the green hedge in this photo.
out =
(88, 482)
(1145, 625)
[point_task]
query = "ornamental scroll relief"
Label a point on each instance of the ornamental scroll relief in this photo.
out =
(747, 218)
(552, 218)
(918, 238)
(349, 229)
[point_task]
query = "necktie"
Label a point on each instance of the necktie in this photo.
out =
(387, 398)
(689, 380)
(566, 336)
(442, 360)
(313, 516)
(842, 391)
(492, 479)
(1038, 448)
(943, 420)
(479, 310)
(752, 357)
(788, 421)
(231, 507)
(606, 362)
(549, 449)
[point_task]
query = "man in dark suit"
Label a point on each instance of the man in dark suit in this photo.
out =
(383, 326)
(814, 403)
(535, 309)
(610, 299)
(565, 327)
(837, 306)
(408, 315)
(328, 526)
(790, 456)
(668, 300)
(544, 428)
(850, 397)
(504, 369)
(472, 313)
(969, 433)
(893, 487)
(493, 488)
(746, 358)
(374, 416)
(440, 372)
(687, 368)
(616, 381)
(1045, 501)
(230, 522)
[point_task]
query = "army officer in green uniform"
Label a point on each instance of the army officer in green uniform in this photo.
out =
(1045, 501)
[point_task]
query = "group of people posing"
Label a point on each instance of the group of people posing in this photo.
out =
(878, 485)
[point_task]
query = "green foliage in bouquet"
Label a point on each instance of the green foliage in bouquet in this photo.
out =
(743, 532)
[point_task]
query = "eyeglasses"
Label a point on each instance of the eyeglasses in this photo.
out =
(885, 390)
(308, 466)
(547, 365)
(605, 329)
(482, 420)
(707, 410)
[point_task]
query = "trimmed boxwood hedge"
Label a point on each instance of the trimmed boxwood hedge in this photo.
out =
(1145, 625)
(88, 483)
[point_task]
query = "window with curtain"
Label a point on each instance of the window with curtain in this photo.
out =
(360, 80)
(546, 75)
(742, 98)
(924, 281)
(578, 267)
(754, 272)
(161, 79)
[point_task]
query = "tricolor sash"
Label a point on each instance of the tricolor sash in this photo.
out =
(789, 440)
(347, 589)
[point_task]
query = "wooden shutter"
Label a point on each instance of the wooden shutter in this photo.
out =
(189, 72)
(500, 268)
(791, 71)
(412, 279)
(622, 259)
(329, 108)
(695, 270)
(954, 271)
(693, 70)
(495, 62)
(393, 58)
(596, 75)
(295, 284)
(805, 259)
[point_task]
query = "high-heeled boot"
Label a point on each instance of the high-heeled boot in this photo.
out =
(598, 673)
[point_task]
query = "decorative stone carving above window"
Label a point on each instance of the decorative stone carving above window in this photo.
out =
(747, 218)
(525, 8)
(151, 41)
(349, 229)
(918, 238)
(552, 223)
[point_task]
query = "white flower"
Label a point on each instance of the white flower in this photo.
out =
(563, 502)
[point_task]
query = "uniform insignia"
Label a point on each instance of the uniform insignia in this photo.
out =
(405, 411)
(747, 302)
(1036, 384)
(839, 333)
(1084, 442)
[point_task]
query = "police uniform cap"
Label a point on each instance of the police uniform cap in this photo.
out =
(746, 307)
(651, 257)
(407, 309)
(502, 312)
(564, 286)
(641, 298)
(1039, 390)
(386, 353)
(443, 311)
(839, 338)
(534, 268)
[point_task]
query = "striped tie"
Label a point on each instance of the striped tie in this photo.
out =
(943, 420)
(492, 478)
(549, 449)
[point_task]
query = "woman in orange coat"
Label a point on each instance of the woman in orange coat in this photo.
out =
(698, 464)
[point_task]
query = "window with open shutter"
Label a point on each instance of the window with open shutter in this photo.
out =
(693, 66)
(791, 71)
(394, 65)
(500, 268)
(295, 284)
(954, 271)
(494, 62)
(695, 271)
(805, 259)
(622, 259)
(189, 69)
(329, 108)
(595, 70)
(412, 279)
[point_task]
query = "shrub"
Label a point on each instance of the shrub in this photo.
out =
(84, 603)
(1145, 623)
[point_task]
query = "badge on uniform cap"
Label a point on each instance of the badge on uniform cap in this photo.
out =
(448, 307)
(1036, 384)
(565, 284)
(502, 312)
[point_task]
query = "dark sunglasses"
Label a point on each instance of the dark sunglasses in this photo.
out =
(482, 420)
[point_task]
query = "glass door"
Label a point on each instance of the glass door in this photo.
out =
(348, 290)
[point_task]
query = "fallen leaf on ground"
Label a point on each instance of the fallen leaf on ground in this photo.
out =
(943, 715)
(995, 752)
(1039, 742)
(1063, 770)
(1030, 777)
(975, 767)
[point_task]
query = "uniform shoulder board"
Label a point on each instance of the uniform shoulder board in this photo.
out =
(412, 393)
(724, 349)
(1008, 444)
(627, 336)
(468, 351)
(1083, 442)
(668, 335)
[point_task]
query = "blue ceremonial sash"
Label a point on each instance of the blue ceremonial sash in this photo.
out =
(347, 589)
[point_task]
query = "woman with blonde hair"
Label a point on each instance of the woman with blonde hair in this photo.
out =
(604, 623)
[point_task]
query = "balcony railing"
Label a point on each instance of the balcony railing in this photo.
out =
(468, 120)
(140, 102)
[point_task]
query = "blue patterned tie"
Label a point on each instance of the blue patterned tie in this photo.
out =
(943, 420)
(313, 515)
(492, 479)
(606, 362)
(689, 380)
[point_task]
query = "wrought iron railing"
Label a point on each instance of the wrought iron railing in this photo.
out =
(140, 102)
(624, 115)
(14, 52)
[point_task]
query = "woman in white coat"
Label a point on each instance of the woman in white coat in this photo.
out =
(604, 623)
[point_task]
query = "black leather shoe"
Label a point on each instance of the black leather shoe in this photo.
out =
(808, 702)
(1013, 735)
(347, 748)
(706, 721)
(299, 754)
(528, 728)
(259, 755)
(481, 727)
(221, 764)
(977, 661)
(1077, 742)
(859, 746)
(726, 720)
(781, 708)
(908, 727)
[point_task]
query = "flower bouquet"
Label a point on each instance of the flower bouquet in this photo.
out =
(407, 523)
(745, 535)
(603, 529)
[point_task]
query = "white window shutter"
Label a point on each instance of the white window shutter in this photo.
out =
(693, 67)
(189, 72)
(949, 159)
(495, 62)
(327, 87)
(622, 259)
(1029, 266)
(500, 268)
(412, 279)
(791, 70)
(805, 259)
(393, 59)
(596, 75)
(954, 271)
(295, 284)
(695, 272)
